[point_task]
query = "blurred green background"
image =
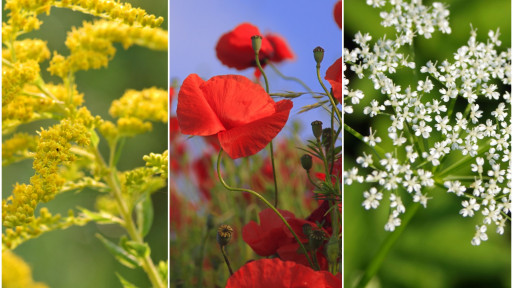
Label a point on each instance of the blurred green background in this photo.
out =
(75, 257)
(435, 249)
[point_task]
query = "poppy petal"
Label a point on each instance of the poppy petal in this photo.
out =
(234, 48)
(282, 50)
(275, 273)
(236, 100)
(334, 76)
(195, 116)
(250, 138)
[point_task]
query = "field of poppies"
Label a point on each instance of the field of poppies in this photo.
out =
(251, 202)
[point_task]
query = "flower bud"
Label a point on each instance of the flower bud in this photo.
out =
(307, 229)
(318, 54)
(317, 129)
(224, 235)
(333, 249)
(306, 162)
(256, 42)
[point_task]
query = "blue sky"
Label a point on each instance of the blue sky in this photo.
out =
(195, 27)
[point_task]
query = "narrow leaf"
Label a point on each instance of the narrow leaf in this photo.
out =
(121, 255)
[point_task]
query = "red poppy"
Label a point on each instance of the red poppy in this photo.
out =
(337, 13)
(334, 76)
(240, 112)
(266, 238)
(275, 273)
(281, 48)
(234, 48)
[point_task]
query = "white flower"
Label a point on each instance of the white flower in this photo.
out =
(480, 235)
(372, 198)
(393, 221)
(469, 207)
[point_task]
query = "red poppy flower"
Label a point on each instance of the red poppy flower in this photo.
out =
(240, 112)
(267, 237)
(281, 48)
(235, 50)
(275, 273)
(337, 13)
(334, 76)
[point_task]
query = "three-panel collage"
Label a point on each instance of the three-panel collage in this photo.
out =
(256, 144)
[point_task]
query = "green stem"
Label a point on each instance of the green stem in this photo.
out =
(266, 203)
(333, 104)
(271, 143)
(378, 259)
(226, 260)
(112, 181)
(356, 134)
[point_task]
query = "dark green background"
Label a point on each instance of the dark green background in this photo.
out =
(435, 249)
(75, 257)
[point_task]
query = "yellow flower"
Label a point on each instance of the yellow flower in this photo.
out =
(16, 273)
(149, 104)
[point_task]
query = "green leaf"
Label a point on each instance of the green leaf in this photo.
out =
(144, 213)
(125, 283)
(136, 249)
(101, 217)
(120, 254)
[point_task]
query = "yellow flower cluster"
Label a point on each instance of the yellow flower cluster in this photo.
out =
(13, 78)
(91, 45)
(23, 17)
(27, 49)
(148, 104)
(16, 273)
(44, 223)
(18, 147)
(34, 105)
(159, 162)
(139, 181)
(113, 10)
(53, 149)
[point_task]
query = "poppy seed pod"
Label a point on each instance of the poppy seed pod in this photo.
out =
(306, 162)
(317, 129)
(224, 235)
(256, 42)
(318, 54)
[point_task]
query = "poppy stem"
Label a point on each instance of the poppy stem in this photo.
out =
(226, 259)
(256, 194)
(332, 101)
(271, 143)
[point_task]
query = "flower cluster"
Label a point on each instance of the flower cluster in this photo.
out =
(452, 129)
(91, 45)
(17, 273)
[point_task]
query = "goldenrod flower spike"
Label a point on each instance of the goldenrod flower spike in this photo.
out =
(91, 45)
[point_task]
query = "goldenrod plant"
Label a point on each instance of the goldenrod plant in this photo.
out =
(72, 149)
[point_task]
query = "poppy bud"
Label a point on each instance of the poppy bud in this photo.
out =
(316, 238)
(306, 162)
(224, 235)
(317, 129)
(318, 54)
(256, 42)
(333, 249)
